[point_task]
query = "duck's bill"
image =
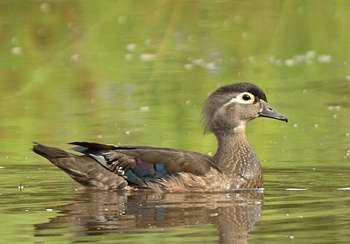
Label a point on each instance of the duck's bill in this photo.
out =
(269, 112)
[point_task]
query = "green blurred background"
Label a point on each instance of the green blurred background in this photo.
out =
(138, 72)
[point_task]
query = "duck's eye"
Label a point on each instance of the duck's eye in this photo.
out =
(243, 98)
(246, 97)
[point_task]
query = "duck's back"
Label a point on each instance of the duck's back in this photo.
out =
(156, 168)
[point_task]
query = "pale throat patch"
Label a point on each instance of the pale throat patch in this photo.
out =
(240, 127)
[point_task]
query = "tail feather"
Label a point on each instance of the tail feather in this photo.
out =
(49, 152)
(85, 170)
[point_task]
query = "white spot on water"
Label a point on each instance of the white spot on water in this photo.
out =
(144, 109)
(324, 58)
(131, 47)
(188, 66)
(295, 125)
(316, 125)
(198, 61)
(298, 59)
(45, 7)
(75, 57)
(289, 62)
(347, 77)
(334, 108)
(344, 189)
(291, 237)
(49, 210)
(211, 66)
(17, 51)
(146, 57)
(310, 54)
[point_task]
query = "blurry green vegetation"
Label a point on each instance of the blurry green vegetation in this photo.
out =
(137, 72)
(82, 70)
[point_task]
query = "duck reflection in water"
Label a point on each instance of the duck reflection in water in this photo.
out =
(108, 213)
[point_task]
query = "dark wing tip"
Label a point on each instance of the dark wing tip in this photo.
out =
(49, 152)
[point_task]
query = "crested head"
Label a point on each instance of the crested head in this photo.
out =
(232, 106)
(239, 88)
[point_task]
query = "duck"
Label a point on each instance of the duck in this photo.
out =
(234, 166)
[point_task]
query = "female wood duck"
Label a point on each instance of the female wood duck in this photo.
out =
(234, 166)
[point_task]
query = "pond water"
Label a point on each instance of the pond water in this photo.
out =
(137, 72)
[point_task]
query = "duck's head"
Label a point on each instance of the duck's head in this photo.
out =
(230, 107)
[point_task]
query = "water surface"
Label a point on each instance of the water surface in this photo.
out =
(136, 72)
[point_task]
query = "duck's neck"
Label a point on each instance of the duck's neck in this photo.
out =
(235, 156)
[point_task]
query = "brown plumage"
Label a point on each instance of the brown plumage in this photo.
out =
(234, 166)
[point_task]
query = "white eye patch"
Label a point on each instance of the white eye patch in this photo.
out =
(242, 98)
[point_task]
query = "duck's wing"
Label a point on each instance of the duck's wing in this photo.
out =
(142, 163)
